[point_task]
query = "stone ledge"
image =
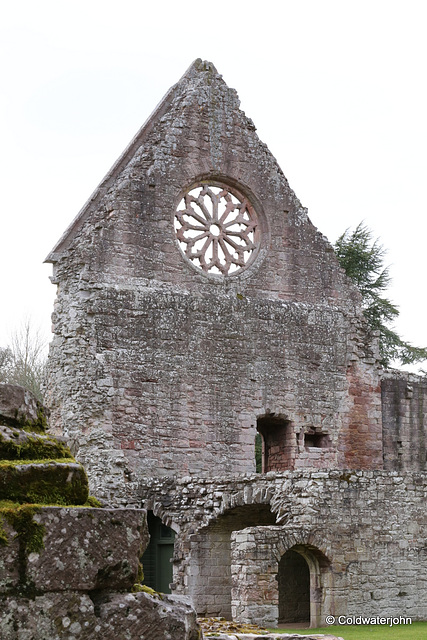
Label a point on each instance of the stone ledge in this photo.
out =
(43, 481)
(64, 616)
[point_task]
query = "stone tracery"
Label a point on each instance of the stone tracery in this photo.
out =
(217, 229)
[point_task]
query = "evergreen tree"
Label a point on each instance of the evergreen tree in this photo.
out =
(363, 261)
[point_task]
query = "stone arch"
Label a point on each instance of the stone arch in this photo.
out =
(250, 494)
(209, 568)
(167, 517)
(258, 575)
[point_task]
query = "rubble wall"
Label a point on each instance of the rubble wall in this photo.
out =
(369, 527)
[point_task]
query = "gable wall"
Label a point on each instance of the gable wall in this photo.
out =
(170, 367)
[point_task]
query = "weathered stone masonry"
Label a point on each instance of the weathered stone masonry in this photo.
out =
(148, 349)
(198, 306)
(404, 408)
(368, 528)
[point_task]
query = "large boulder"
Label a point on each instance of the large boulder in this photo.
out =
(69, 549)
(20, 408)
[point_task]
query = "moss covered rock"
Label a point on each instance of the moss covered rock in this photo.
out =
(16, 444)
(44, 482)
(35, 467)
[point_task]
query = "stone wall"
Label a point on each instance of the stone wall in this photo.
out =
(404, 410)
(155, 386)
(274, 580)
(368, 529)
(161, 374)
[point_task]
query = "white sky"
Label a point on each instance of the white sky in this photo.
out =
(337, 90)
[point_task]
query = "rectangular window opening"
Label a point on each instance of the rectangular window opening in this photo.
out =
(316, 440)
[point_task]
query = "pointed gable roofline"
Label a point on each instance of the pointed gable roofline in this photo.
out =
(68, 236)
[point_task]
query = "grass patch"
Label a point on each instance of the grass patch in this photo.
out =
(414, 631)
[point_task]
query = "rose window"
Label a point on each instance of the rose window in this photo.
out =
(217, 229)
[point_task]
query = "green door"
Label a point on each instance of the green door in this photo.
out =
(164, 567)
(156, 561)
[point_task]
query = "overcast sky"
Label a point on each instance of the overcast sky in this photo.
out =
(337, 90)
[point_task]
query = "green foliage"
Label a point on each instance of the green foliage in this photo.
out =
(362, 258)
(258, 453)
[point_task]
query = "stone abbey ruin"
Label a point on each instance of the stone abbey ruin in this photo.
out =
(199, 309)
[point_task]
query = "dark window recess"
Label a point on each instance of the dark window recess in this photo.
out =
(278, 443)
(258, 453)
(318, 440)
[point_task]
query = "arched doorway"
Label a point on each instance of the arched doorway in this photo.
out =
(157, 558)
(294, 589)
(210, 558)
(304, 577)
